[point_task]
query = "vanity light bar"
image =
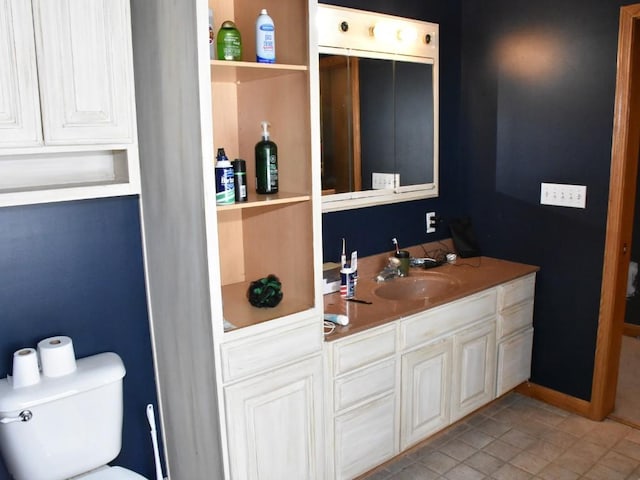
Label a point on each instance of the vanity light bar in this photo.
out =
(346, 28)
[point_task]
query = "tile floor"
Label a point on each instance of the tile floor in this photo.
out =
(518, 438)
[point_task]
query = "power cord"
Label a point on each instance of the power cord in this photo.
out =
(329, 328)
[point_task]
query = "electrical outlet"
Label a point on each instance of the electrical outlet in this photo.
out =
(562, 195)
(431, 222)
(382, 181)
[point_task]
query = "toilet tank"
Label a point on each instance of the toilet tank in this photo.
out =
(76, 422)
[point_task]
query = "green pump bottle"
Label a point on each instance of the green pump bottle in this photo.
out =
(266, 163)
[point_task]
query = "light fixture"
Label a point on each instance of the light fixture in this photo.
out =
(390, 32)
(384, 31)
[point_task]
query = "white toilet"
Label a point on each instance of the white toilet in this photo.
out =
(66, 427)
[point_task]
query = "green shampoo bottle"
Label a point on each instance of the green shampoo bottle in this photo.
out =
(266, 163)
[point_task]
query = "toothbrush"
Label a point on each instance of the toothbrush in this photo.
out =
(395, 242)
(343, 257)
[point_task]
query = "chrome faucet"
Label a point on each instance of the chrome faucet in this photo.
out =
(392, 270)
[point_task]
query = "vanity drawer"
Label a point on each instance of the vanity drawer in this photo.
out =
(266, 350)
(425, 327)
(516, 291)
(362, 349)
(363, 384)
(515, 318)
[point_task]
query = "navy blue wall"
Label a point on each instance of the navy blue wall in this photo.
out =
(76, 269)
(370, 230)
(538, 94)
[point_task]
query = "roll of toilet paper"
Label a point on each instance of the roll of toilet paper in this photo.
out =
(25, 368)
(57, 357)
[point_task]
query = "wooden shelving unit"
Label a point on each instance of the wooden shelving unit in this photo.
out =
(268, 234)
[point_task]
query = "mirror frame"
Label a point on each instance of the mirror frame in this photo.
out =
(348, 31)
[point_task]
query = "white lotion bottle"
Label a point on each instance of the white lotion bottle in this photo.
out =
(265, 38)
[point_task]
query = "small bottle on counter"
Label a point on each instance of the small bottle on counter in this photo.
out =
(229, 42)
(240, 179)
(266, 163)
(225, 190)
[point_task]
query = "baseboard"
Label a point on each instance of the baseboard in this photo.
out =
(631, 330)
(555, 398)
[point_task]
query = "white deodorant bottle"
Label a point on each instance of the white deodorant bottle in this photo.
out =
(265, 38)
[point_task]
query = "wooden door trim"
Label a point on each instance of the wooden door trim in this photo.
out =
(622, 194)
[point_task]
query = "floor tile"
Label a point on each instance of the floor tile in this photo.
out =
(520, 438)
(509, 472)
(464, 472)
(529, 463)
(484, 462)
(501, 450)
(458, 450)
(493, 427)
(556, 472)
(415, 471)
(476, 438)
(545, 450)
(600, 472)
(438, 462)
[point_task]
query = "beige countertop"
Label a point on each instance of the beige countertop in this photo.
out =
(467, 276)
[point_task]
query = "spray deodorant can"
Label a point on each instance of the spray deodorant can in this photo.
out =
(225, 190)
(240, 179)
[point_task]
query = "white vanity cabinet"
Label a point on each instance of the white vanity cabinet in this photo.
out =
(273, 402)
(362, 400)
(514, 332)
(426, 391)
(444, 362)
(474, 356)
(448, 366)
(67, 107)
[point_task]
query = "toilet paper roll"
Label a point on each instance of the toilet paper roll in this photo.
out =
(25, 368)
(57, 357)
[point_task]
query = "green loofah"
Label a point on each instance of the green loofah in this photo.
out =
(266, 292)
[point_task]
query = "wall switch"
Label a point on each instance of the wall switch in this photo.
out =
(381, 181)
(431, 222)
(562, 195)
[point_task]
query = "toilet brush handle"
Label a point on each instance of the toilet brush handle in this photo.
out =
(154, 439)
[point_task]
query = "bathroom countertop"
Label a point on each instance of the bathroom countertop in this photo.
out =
(473, 274)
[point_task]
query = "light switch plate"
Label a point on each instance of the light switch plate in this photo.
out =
(381, 181)
(563, 195)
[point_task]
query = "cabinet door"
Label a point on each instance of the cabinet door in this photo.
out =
(514, 361)
(85, 70)
(426, 374)
(365, 437)
(274, 424)
(474, 359)
(19, 104)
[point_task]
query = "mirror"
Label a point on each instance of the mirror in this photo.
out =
(379, 108)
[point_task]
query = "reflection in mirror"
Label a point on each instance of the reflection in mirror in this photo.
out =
(376, 117)
(379, 109)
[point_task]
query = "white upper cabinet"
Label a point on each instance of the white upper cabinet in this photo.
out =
(84, 57)
(67, 102)
(19, 103)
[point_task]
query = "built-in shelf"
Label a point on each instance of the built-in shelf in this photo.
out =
(240, 72)
(30, 176)
(255, 200)
(240, 313)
